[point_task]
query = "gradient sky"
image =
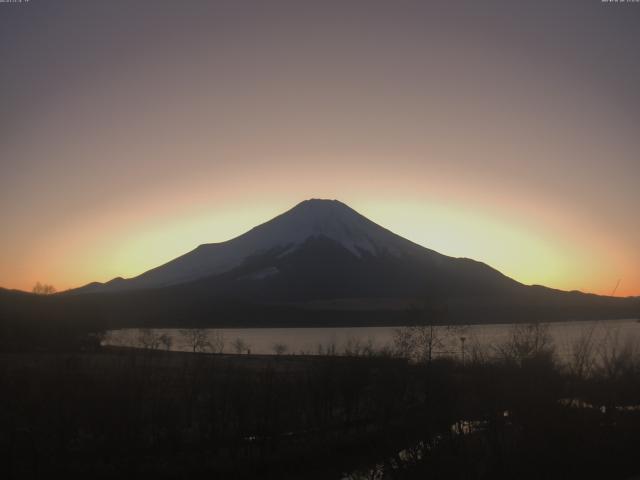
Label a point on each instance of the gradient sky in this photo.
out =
(508, 132)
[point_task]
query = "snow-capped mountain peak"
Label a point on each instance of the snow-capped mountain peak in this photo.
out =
(331, 219)
(309, 219)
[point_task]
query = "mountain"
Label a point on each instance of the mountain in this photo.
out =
(322, 263)
(319, 264)
(322, 244)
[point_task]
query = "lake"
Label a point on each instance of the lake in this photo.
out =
(312, 341)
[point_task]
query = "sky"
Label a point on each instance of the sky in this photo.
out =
(507, 132)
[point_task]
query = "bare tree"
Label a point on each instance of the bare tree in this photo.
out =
(582, 361)
(617, 356)
(196, 339)
(423, 342)
(429, 340)
(279, 348)
(353, 347)
(430, 337)
(368, 348)
(43, 289)
(149, 339)
(166, 340)
(404, 342)
(216, 341)
(239, 345)
(477, 352)
(527, 342)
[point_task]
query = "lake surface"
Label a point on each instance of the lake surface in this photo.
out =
(312, 341)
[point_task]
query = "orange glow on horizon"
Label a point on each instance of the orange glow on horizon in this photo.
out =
(440, 121)
(127, 242)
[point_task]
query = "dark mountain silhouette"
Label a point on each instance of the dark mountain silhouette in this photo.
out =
(322, 263)
(318, 249)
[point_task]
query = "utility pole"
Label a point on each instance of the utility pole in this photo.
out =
(616, 288)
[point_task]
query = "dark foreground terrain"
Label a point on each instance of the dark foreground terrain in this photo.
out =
(122, 413)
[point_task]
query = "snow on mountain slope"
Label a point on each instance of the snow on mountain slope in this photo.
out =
(311, 218)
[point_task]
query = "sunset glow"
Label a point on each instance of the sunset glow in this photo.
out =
(151, 137)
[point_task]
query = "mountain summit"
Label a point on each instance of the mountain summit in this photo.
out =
(311, 219)
(331, 219)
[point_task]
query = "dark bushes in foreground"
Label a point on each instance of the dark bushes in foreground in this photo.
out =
(515, 414)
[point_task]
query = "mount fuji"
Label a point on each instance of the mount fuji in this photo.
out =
(313, 238)
(322, 263)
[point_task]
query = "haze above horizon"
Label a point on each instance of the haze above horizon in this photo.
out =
(134, 132)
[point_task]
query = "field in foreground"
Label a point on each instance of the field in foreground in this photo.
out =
(151, 414)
